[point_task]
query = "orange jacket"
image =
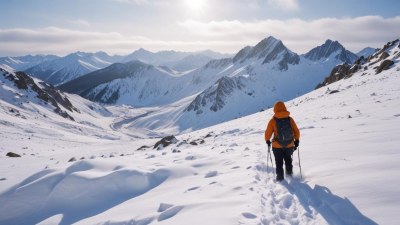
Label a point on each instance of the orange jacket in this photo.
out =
(280, 112)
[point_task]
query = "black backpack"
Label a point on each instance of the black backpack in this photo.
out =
(285, 131)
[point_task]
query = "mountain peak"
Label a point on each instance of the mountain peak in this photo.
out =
(261, 50)
(331, 49)
(269, 49)
(366, 52)
(269, 41)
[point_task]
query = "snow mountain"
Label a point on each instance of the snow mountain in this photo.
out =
(259, 76)
(179, 61)
(190, 62)
(328, 49)
(142, 85)
(220, 91)
(380, 60)
(269, 49)
(21, 63)
(366, 52)
(105, 85)
(70, 67)
(95, 170)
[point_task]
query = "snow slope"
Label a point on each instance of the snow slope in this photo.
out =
(21, 63)
(70, 67)
(217, 175)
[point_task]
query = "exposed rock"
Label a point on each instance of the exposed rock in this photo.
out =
(143, 147)
(385, 47)
(47, 93)
(339, 72)
(384, 56)
(209, 135)
(287, 58)
(334, 91)
(215, 95)
(164, 142)
(345, 70)
(193, 143)
(73, 159)
(12, 154)
(386, 64)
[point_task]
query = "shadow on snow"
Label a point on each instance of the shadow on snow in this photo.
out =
(334, 209)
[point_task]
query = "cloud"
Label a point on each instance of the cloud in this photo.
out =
(80, 22)
(302, 35)
(287, 5)
(224, 36)
(54, 40)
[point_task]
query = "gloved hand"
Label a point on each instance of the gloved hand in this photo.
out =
(296, 144)
(268, 143)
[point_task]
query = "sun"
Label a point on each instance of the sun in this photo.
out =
(195, 5)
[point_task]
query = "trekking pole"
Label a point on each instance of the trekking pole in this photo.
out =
(298, 154)
(270, 158)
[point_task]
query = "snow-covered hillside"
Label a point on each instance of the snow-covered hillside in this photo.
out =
(139, 84)
(223, 89)
(21, 63)
(218, 175)
(70, 67)
(30, 106)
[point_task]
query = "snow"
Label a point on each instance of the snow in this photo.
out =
(349, 158)
(24, 62)
(72, 66)
(168, 96)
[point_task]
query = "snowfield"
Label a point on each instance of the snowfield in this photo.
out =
(349, 151)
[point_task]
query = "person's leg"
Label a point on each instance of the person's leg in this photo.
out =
(278, 153)
(287, 156)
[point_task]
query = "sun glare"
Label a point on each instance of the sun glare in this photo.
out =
(195, 5)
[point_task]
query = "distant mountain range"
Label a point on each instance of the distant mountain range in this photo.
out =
(366, 52)
(220, 90)
(21, 63)
(58, 70)
(70, 67)
(179, 61)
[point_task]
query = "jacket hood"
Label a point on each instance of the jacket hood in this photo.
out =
(280, 110)
(279, 107)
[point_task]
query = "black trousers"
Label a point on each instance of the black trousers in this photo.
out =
(283, 154)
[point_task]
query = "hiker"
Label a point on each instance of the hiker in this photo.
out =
(286, 139)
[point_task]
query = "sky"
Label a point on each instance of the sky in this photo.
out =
(123, 26)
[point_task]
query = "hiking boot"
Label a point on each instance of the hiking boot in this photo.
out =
(279, 177)
(289, 173)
